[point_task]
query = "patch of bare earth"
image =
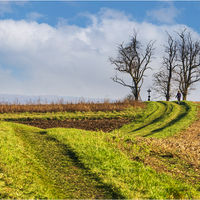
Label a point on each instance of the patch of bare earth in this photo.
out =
(106, 125)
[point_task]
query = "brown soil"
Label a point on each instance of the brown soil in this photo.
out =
(106, 125)
(185, 144)
(178, 155)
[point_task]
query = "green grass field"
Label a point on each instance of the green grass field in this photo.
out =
(127, 113)
(64, 163)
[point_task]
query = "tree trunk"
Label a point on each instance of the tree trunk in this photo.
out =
(169, 84)
(168, 90)
(136, 98)
(184, 96)
(184, 93)
(136, 92)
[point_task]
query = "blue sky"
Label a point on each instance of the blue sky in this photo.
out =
(51, 11)
(62, 47)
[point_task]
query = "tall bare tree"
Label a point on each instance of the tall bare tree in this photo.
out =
(132, 61)
(163, 79)
(161, 84)
(188, 71)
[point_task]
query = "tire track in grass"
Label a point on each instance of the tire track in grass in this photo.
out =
(181, 117)
(159, 117)
(177, 113)
(145, 125)
(130, 178)
(143, 119)
(67, 176)
(184, 120)
(177, 155)
(166, 119)
(21, 175)
(173, 113)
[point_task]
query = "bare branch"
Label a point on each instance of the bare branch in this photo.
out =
(189, 62)
(163, 79)
(131, 61)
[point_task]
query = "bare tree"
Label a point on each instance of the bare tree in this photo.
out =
(133, 62)
(188, 71)
(163, 79)
(160, 84)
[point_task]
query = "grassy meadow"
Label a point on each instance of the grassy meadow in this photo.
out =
(61, 163)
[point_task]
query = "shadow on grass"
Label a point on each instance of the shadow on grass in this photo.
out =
(172, 122)
(68, 152)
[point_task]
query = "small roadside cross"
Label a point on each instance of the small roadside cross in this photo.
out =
(149, 94)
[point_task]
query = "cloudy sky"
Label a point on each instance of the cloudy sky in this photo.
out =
(63, 47)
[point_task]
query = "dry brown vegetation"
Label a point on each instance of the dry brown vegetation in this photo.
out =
(68, 107)
(178, 155)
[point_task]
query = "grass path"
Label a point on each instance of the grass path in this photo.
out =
(162, 119)
(76, 164)
(35, 165)
(127, 177)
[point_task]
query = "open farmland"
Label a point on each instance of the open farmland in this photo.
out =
(145, 158)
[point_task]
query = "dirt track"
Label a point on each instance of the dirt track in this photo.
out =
(178, 155)
(105, 125)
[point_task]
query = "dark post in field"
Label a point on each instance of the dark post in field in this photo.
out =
(149, 96)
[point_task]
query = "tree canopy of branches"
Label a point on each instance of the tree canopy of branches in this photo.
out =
(188, 71)
(132, 61)
(181, 64)
(163, 79)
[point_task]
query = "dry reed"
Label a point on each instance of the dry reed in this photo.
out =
(60, 106)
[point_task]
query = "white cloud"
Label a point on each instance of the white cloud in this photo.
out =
(164, 14)
(5, 7)
(71, 60)
(33, 16)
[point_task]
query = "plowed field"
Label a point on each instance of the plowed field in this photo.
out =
(127, 163)
(106, 125)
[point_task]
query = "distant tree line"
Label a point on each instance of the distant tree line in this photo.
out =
(180, 67)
